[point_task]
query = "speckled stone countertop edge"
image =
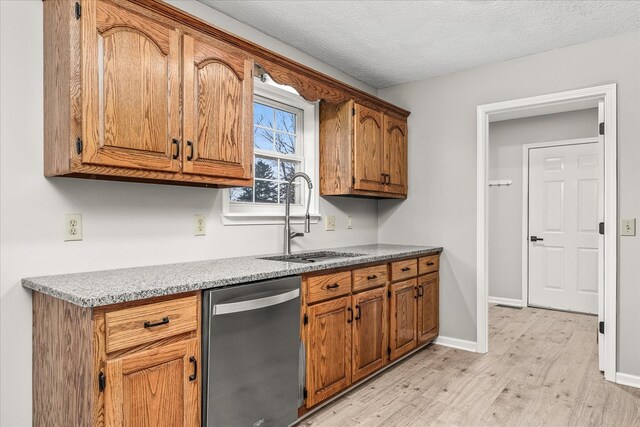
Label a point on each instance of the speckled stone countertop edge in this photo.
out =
(40, 284)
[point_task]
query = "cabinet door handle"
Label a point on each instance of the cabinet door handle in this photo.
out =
(406, 268)
(334, 286)
(372, 277)
(193, 376)
(430, 263)
(417, 293)
(359, 313)
(388, 181)
(420, 290)
(350, 319)
(164, 321)
(384, 178)
(190, 145)
(176, 144)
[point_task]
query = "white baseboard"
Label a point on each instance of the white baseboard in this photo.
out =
(626, 379)
(456, 343)
(506, 301)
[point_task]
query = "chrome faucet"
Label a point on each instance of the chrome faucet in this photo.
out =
(288, 234)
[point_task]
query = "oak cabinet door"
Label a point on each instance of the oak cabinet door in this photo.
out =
(404, 306)
(130, 89)
(158, 387)
(428, 306)
(218, 109)
(369, 332)
(328, 349)
(368, 148)
(395, 149)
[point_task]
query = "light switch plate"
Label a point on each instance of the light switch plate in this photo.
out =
(349, 222)
(330, 223)
(628, 227)
(199, 225)
(72, 227)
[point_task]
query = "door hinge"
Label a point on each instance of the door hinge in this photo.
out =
(79, 145)
(353, 180)
(388, 351)
(102, 381)
(304, 392)
(306, 319)
(78, 10)
(601, 129)
(601, 327)
(601, 228)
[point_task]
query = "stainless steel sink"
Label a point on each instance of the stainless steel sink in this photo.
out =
(310, 257)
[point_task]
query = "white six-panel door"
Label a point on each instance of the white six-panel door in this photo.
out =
(563, 216)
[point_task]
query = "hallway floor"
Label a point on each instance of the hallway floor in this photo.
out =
(541, 369)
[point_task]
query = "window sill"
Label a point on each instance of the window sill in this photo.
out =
(264, 219)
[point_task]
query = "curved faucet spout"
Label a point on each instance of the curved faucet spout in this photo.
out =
(288, 235)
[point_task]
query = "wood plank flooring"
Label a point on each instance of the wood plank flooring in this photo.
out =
(541, 370)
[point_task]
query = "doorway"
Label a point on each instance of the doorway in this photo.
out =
(561, 210)
(603, 97)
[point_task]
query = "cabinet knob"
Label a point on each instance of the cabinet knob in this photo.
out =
(372, 277)
(334, 286)
(406, 268)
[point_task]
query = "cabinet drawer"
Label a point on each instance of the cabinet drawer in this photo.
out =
(428, 264)
(151, 322)
(404, 269)
(320, 288)
(369, 277)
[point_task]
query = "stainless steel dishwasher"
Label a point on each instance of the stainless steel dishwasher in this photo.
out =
(252, 354)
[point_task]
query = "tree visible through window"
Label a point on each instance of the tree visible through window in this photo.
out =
(278, 154)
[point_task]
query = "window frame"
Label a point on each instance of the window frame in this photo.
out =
(307, 148)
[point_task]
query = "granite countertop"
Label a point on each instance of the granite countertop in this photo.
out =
(97, 288)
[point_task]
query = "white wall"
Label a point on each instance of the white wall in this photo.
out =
(505, 203)
(125, 224)
(441, 208)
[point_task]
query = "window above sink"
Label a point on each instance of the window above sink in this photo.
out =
(285, 136)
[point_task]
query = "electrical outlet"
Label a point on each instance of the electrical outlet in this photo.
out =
(349, 222)
(72, 227)
(199, 225)
(628, 227)
(330, 223)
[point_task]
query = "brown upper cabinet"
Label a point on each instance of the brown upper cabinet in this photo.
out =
(130, 90)
(363, 151)
(138, 90)
(156, 102)
(218, 109)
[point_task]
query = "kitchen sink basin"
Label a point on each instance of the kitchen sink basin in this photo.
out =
(311, 257)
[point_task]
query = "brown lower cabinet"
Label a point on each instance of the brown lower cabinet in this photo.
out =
(369, 349)
(404, 317)
(154, 387)
(365, 323)
(428, 307)
(129, 364)
(328, 348)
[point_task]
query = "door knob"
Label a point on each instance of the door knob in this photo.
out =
(536, 239)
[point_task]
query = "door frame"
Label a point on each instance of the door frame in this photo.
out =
(525, 210)
(572, 100)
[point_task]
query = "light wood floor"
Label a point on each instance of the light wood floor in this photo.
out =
(541, 369)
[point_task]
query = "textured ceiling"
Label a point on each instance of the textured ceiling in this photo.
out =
(384, 43)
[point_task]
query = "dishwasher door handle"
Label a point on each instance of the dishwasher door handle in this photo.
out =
(254, 304)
